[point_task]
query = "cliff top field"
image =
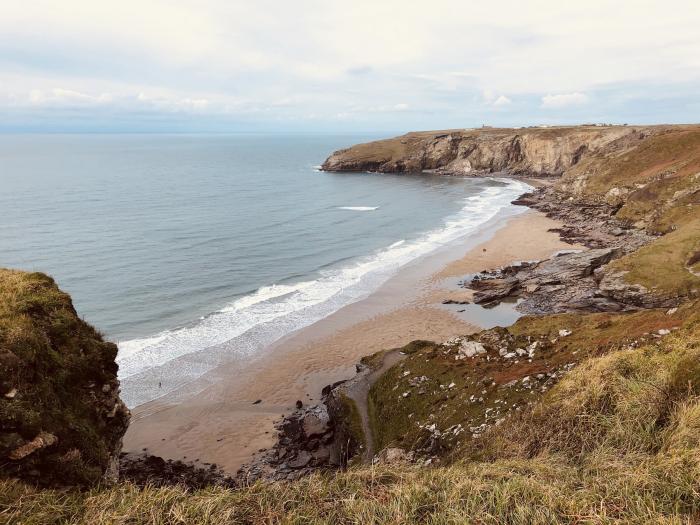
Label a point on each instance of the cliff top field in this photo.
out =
(587, 410)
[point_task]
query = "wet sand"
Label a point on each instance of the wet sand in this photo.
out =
(223, 424)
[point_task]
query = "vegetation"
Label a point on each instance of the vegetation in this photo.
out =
(430, 386)
(656, 177)
(58, 380)
(615, 441)
(351, 428)
(665, 267)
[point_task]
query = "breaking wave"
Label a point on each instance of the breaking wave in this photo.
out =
(154, 366)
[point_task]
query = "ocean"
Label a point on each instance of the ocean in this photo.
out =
(193, 250)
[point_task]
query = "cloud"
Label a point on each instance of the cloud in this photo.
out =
(564, 100)
(502, 101)
(314, 58)
(65, 98)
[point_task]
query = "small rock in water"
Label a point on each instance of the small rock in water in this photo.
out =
(257, 402)
(299, 404)
(564, 332)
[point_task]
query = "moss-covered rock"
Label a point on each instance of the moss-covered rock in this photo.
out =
(61, 418)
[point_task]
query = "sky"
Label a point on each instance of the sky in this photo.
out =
(363, 65)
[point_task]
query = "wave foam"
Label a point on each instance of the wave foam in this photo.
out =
(252, 322)
(358, 208)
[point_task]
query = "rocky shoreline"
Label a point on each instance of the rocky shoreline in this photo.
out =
(573, 281)
(570, 281)
(327, 436)
(600, 206)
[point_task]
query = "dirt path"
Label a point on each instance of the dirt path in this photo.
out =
(359, 393)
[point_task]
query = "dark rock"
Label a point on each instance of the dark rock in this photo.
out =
(571, 280)
(303, 458)
(146, 469)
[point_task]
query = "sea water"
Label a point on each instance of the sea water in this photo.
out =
(192, 250)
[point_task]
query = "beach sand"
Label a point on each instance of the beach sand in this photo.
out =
(223, 424)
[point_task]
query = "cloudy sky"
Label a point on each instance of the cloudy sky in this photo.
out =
(363, 65)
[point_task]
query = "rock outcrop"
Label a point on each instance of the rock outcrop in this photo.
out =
(573, 280)
(524, 151)
(61, 418)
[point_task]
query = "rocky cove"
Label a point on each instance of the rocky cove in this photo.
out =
(573, 281)
(424, 402)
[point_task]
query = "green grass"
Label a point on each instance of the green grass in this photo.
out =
(352, 425)
(617, 440)
(400, 421)
(663, 266)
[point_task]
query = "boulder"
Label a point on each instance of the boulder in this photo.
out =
(315, 422)
(470, 349)
(392, 455)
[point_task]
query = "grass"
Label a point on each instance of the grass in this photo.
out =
(471, 401)
(350, 427)
(666, 203)
(615, 441)
(663, 267)
(669, 151)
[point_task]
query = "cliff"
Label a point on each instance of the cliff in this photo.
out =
(61, 418)
(527, 151)
(637, 188)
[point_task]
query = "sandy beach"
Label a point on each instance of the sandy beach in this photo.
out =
(232, 418)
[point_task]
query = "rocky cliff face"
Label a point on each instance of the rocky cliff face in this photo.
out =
(621, 186)
(527, 151)
(61, 418)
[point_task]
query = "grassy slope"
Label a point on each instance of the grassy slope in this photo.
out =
(664, 265)
(482, 391)
(616, 441)
(661, 174)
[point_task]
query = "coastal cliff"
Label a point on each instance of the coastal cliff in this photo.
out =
(631, 188)
(585, 410)
(525, 151)
(61, 418)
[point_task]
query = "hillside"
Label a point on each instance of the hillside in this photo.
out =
(586, 410)
(61, 418)
(615, 441)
